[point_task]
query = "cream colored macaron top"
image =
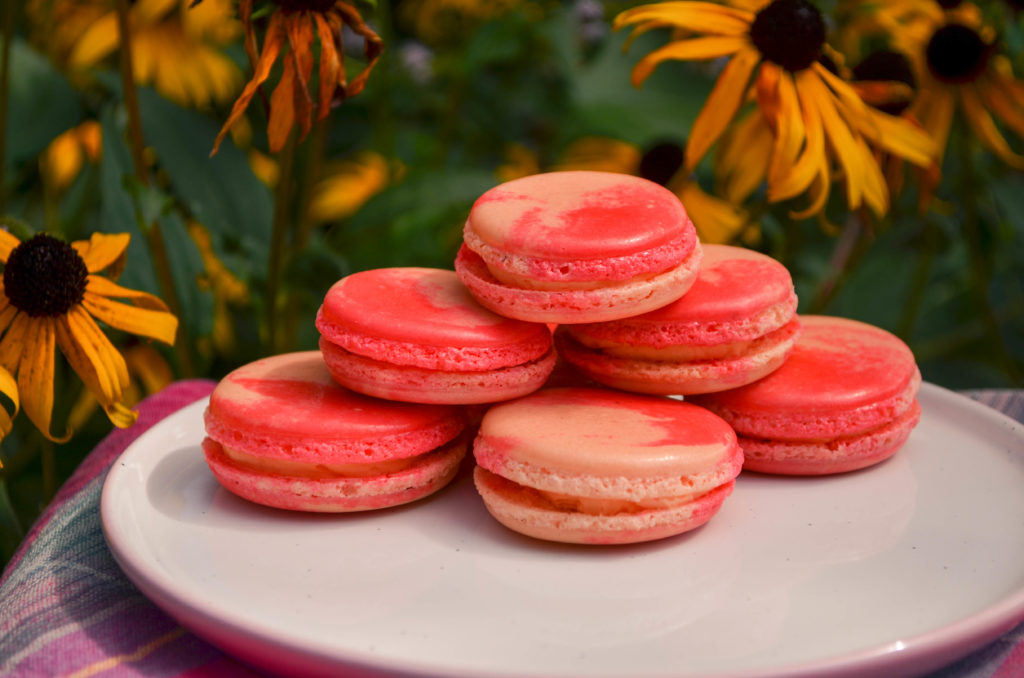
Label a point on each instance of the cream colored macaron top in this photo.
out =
(605, 433)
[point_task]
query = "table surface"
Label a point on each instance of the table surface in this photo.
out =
(67, 609)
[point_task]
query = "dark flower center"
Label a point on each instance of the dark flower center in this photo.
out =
(957, 54)
(886, 65)
(949, 4)
(661, 162)
(790, 33)
(45, 276)
(305, 5)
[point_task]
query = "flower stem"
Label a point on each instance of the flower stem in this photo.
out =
(5, 82)
(851, 246)
(279, 239)
(136, 142)
(981, 275)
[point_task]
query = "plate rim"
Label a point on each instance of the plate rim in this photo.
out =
(227, 630)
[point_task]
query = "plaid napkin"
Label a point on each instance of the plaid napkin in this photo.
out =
(66, 609)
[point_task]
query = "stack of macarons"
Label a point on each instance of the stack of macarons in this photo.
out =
(577, 303)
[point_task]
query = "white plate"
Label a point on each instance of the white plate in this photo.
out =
(899, 568)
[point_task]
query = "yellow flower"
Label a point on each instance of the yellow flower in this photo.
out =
(298, 23)
(816, 119)
(716, 220)
(960, 69)
(63, 158)
(52, 296)
(175, 48)
(347, 185)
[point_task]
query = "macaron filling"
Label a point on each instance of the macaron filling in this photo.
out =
(529, 272)
(662, 350)
(300, 469)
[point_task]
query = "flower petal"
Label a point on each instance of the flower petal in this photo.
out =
(900, 137)
(282, 107)
(143, 322)
(1003, 105)
(330, 66)
(98, 285)
(985, 128)
(702, 17)
(100, 366)
(99, 39)
(273, 41)
(839, 135)
(9, 387)
(799, 176)
(716, 220)
(721, 105)
(101, 249)
(686, 50)
(12, 345)
(7, 244)
(745, 153)
(789, 130)
(35, 375)
(373, 46)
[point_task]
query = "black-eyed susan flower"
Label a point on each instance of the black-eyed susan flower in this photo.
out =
(716, 220)
(820, 128)
(298, 25)
(177, 49)
(52, 295)
(961, 69)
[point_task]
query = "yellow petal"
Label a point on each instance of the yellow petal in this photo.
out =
(133, 319)
(98, 41)
(721, 105)
(900, 137)
(935, 111)
(12, 345)
(818, 191)
(96, 361)
(789, 136)
(7, 313)
(702, 17)
(330, 66)
(1004, 107)
(686, 50)
(746, 152)
(7, 244)
(839, 136)
(149, 367)
(9, 387)
(282, 107)
(35, 375)
(985, 128)
(801, 173)
(876, 191)
(98, 285)
(101, 249)
(716, 221)
(62, 160)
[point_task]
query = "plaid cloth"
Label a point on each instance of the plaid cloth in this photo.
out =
(66, 609)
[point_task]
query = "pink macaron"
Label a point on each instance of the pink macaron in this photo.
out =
(598, 466)
(579, 246)
(417, 335)
(846, 398)
(282, 433)
(734, 326)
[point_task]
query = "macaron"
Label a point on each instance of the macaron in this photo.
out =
(846, 398)
(598, 466)
(417, 335)
(734, 326)
(280, 432)
(578, 246)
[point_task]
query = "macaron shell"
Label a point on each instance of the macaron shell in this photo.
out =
(519, 511)
(336, 494)
(288, 407)
(763, 356)
(738, 295)
(426, 318)
(843, 377)
(417, 385)
(609, 302)
(578, 215)
(786, 457)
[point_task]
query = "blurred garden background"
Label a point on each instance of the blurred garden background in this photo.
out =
(873, 146)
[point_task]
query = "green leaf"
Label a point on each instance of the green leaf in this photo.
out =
(221, 192)
(117, 206)
(41, 105)
(186, 267)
